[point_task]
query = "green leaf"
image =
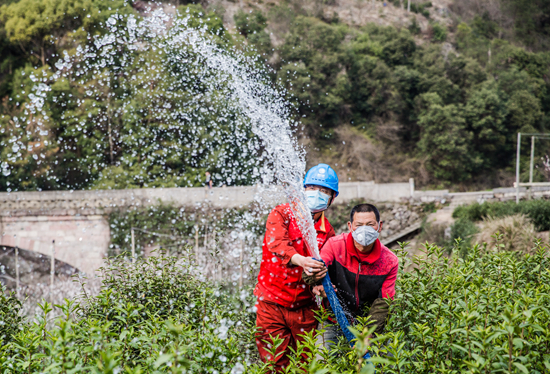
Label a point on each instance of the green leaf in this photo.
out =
(163, 359)
(521, 367)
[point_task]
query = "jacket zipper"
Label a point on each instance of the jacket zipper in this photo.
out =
(356, 287)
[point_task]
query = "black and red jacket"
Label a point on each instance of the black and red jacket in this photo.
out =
(359, 278)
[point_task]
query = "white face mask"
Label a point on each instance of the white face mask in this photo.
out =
(317, 201)
(365, 235)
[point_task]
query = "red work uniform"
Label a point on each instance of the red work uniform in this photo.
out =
(285, 303)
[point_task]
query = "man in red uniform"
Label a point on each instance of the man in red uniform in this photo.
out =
(285, 306)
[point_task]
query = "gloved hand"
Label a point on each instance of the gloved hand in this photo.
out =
(378, 313)
(311, 280)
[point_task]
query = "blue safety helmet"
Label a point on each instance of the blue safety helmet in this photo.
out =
(322, 175)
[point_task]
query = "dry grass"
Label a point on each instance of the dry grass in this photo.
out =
(356, 156)
(516, 233)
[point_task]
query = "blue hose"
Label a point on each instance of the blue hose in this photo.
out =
(339, 312)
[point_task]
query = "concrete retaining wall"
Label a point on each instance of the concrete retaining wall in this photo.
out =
(375, 192)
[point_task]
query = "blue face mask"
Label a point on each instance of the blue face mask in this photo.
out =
(317, 201)
(365, 235)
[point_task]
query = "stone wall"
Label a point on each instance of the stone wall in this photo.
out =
(93, 202)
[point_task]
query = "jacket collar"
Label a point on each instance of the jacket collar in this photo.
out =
(370, 258)
(320, 225)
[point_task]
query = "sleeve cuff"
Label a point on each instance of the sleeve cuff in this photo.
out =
(285, 260)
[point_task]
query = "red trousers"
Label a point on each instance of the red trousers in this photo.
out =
(287, 324)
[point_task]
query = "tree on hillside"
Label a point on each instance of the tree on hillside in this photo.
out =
(485, 113)
(523, 21)
(37, 25)
(445, 140)
(127, 112)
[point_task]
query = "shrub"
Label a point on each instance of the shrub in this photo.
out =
(465, 230)
(421, 8)
(439, 33)
(538, 211)
(414, 27)
(10, 315)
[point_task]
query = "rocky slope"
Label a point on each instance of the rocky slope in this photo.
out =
(352, 12)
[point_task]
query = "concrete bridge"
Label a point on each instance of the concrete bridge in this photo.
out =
(74, 226)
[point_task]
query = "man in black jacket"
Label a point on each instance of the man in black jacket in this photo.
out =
(361, 268)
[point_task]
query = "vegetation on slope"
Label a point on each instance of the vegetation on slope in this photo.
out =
(455, 115)
(373, 100)
(537, 210)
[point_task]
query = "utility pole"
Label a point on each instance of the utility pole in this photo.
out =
(531, 162)
(517, 167)
(241, 262)
(52, 270)
(409, 6)
(17, 271)
(196, 244)
(133, 246)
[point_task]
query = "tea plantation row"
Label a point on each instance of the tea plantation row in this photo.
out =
(487, 313)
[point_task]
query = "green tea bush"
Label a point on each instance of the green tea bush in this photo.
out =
(149, 317)
(484, 313)
(537, 210)
(10, 315)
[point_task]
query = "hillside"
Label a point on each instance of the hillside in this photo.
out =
(350, 12)
(438, 93)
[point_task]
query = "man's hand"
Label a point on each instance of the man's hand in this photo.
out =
(310, 266)
(319, 291)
